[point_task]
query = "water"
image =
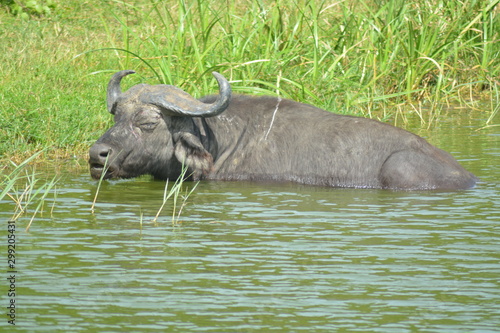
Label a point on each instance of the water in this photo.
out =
(254, 257)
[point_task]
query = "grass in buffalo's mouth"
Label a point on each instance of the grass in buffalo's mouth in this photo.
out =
(104, 171)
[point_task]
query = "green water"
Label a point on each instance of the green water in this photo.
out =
(253, 257)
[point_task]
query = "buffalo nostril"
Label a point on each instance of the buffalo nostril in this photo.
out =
(100, 153)
(105, 153)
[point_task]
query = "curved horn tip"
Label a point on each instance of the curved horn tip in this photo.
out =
(222, 81)
(124, 72)
(114, 91)
(218, 76)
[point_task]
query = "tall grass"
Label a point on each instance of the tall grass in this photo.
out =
(350, 56)
(369, 57)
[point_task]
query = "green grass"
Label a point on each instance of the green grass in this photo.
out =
(375, 58)
(179, 198)
(25, 189)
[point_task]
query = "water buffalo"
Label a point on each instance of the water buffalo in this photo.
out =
(159, 128)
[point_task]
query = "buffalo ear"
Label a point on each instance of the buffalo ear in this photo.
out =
(189, 151)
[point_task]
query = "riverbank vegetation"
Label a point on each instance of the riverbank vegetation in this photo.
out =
(382, 59)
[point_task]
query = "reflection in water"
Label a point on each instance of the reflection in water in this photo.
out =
(254, 257)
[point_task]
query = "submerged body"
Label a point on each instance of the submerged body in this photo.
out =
(283, 140)
(266, 139)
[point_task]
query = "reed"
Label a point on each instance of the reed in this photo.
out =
(179, 200)
(10, 179)
(99, 183)
(26, 190)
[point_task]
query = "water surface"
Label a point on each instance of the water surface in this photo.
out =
(255, 257)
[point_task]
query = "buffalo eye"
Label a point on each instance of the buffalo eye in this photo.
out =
(148, 126)
(147, 121)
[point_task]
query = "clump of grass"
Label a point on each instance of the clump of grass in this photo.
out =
(9, 180)
(32, 193)
(179, 200)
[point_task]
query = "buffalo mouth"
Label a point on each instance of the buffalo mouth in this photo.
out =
(96, 171)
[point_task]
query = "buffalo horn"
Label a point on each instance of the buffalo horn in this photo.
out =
(114, 90)
(175, 102)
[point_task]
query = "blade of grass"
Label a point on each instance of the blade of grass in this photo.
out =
(103, 174)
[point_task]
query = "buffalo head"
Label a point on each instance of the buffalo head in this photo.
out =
(154, 131)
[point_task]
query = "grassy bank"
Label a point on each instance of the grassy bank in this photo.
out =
(374, 58)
